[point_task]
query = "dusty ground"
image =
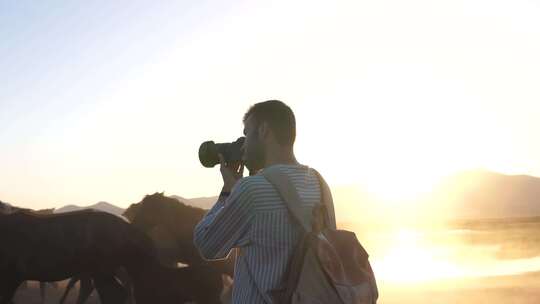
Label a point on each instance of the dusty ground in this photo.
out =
(517, 289)
(31, 295)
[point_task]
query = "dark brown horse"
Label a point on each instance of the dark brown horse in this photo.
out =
(8, 209)
(56, 247)
(90, 243)
(164, 219)
(161, 215)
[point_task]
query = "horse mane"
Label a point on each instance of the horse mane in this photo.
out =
(160, 200)
(45, 211)
(172, 202)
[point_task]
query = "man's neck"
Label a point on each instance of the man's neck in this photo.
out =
(284, 156)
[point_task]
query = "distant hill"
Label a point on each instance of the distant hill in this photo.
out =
(474, 194)
(486, 194)
(102, 206)
(477, 194)
(201, 202)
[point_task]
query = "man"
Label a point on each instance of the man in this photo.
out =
(250, 214)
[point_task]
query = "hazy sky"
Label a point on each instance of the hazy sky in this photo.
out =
(110, 100)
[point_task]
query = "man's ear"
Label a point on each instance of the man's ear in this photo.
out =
(263, 130)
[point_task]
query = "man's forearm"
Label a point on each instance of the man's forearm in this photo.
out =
(224, 224)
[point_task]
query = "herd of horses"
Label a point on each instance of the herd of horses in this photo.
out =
(133, 261)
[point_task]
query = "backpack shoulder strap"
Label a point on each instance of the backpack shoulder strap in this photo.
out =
(292, 199)
(289, 194)
(326, 198)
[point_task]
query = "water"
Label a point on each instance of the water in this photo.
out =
(421, 255)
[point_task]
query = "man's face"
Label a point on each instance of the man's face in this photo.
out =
(254, 154)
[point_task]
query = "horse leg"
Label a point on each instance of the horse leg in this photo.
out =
(109, 290)
(85, 289)
(125, 280)
(69, 286)
(42, 289)
(8, 291)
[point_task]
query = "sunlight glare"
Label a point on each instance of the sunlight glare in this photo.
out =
(409, 262)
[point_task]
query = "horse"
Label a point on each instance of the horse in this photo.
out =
(6, 208)
(56, 247)
(95, 244)
(171, 223)
(163, 217)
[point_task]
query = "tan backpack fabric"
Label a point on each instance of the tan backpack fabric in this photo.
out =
(328, 265)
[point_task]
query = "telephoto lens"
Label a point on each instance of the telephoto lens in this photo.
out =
(209, 150)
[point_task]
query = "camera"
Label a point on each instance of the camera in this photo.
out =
(209, 150)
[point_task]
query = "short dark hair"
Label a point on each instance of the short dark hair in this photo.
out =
(280, 119)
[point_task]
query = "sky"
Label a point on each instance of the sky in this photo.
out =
(110, 100)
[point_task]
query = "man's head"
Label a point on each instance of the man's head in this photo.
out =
(268, 125)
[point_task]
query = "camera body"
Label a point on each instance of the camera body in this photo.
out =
(209, 150)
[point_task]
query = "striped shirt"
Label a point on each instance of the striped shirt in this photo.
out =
(255, 219)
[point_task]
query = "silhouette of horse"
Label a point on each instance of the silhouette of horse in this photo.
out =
(56, 247)
(171, 224)
(174, 244)
(166, 217)
(8, 209)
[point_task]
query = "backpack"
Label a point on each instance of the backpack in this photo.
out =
(328, 265)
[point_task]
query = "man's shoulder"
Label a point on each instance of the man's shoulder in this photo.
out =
(252, 183)
(258, 182)
(294, 172)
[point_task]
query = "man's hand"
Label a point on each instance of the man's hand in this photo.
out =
(231, 173)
